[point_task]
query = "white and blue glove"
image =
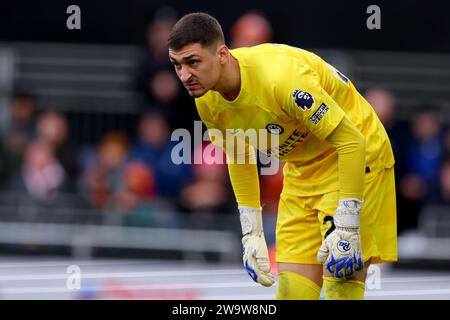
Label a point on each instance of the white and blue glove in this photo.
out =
(341, 251)
(255, 256)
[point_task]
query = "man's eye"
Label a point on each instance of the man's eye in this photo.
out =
(177, 65)
(193, 62)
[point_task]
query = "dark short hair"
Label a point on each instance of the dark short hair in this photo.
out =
(196, 27)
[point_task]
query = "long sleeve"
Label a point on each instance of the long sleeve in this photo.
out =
(245, 180)
(350, 146)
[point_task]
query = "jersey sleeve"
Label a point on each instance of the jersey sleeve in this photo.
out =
(245, 180)
(350, 146)
(301, 96)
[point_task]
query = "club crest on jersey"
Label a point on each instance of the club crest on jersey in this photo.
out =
(274, 128)
(303, 99)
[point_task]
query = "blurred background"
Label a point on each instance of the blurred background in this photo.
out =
(86, 118)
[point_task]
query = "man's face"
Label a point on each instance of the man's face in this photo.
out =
(198, 68)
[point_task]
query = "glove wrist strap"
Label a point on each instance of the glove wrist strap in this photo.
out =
(347, 215)
(348, 229)
(251, 220)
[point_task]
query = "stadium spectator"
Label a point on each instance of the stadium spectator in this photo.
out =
(154, 148)
(22, 128)
(153, 56)
(385, 105)
(102, 177)
(155, 80)
(251, 29)
(52, 127)
(422, 154)
(158, 32)
(210, 190)
(443, 196)
(168, 98)
(136, 199)
(164, 87)
(42, 176)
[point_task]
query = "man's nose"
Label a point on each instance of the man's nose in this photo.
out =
(185, 74)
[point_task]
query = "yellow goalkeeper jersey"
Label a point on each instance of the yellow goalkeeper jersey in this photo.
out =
(294, 94)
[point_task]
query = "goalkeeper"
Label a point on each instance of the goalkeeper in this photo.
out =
(337, 210)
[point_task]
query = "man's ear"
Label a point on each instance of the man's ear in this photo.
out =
(223, 53)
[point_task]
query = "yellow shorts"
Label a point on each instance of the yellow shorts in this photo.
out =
(303, 221)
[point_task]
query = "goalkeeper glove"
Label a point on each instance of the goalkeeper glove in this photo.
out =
(341, 249)
(256, 256)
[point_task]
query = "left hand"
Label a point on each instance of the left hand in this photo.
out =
(341, 251)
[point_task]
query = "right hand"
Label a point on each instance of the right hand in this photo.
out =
(256, 256)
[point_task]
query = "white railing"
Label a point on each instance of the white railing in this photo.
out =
(82, 239)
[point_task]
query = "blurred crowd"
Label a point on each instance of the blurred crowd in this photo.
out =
(422, 153)
(132, 181)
